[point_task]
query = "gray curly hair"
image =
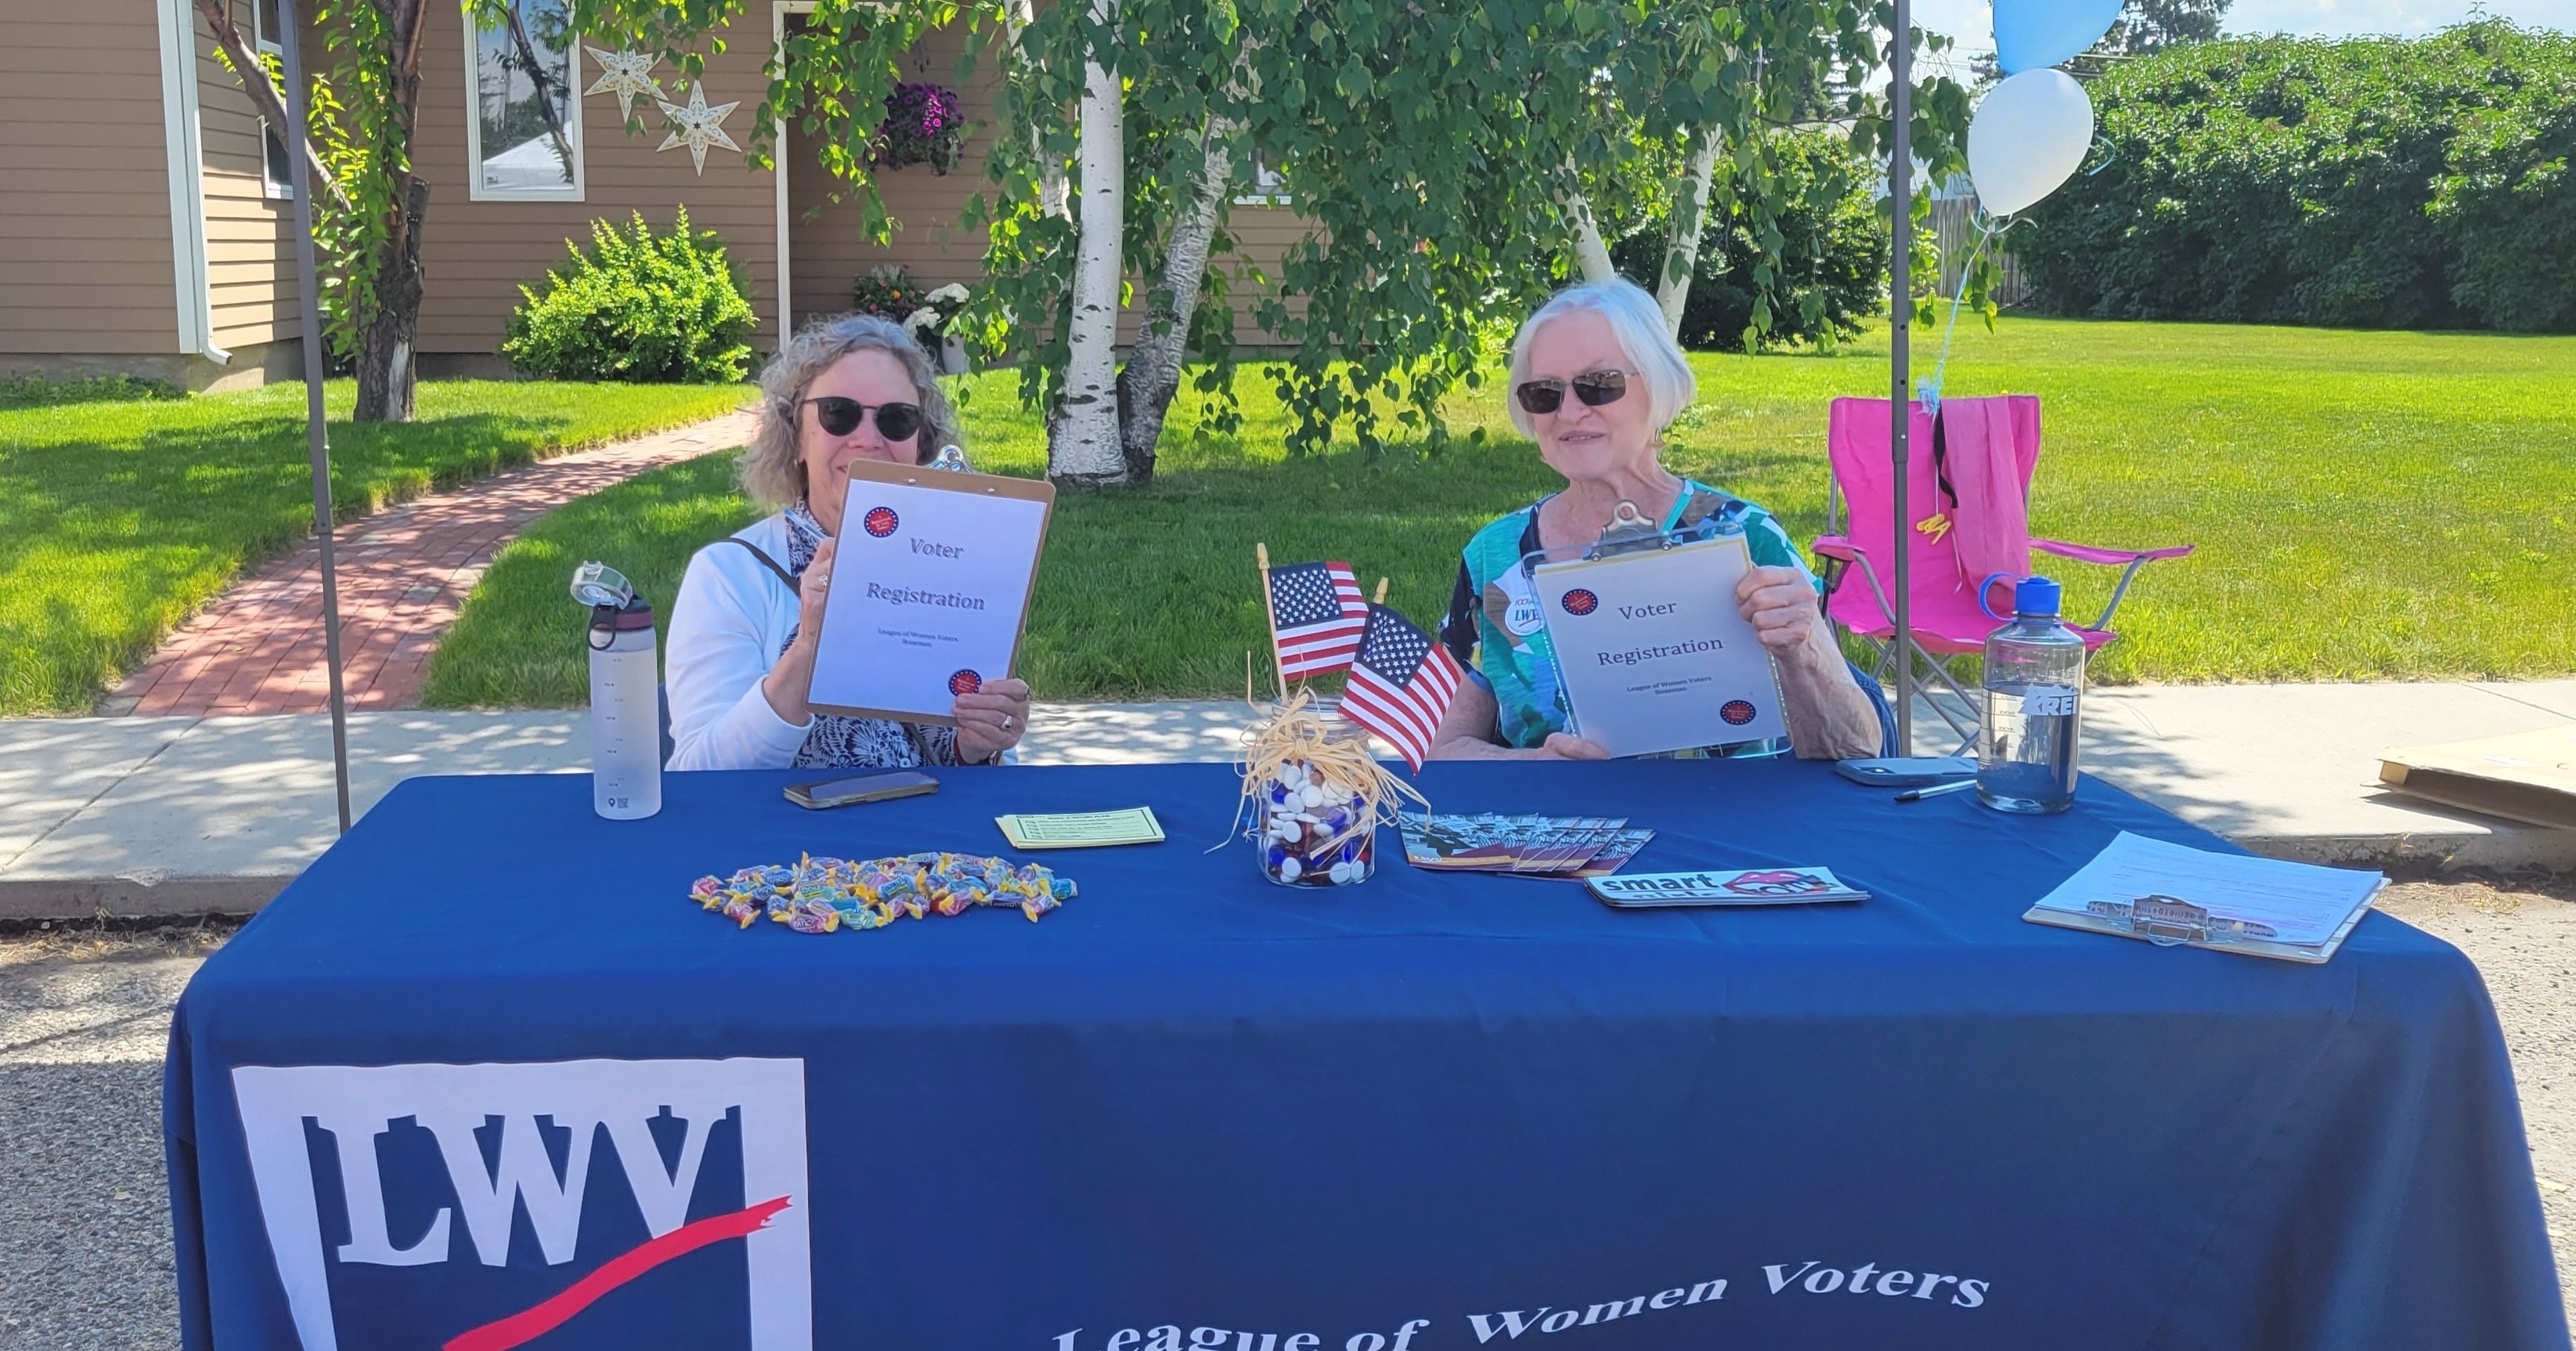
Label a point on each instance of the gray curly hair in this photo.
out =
(772, 471)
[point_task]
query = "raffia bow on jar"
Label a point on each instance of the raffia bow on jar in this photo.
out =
(1313, 797)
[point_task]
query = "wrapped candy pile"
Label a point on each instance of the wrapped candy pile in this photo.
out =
(824, 895)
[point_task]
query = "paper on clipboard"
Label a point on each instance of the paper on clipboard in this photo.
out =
(931, 582)
(1652, 651)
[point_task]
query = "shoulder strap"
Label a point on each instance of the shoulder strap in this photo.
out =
(766, 561)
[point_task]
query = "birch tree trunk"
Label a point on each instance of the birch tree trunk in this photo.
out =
(1153, 371)
(1690, 220)
(1589, 251)
(1083, 448)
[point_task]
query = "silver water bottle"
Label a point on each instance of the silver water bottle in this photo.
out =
(625, 697)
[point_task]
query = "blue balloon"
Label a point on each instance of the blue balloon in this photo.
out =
(2037, 34)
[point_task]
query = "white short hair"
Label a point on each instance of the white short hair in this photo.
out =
(1637, 323)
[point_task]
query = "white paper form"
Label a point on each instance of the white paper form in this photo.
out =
(929, 589)
(1654, 654)
(2301, 903)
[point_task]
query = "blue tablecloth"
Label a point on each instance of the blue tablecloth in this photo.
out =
(1430, 1112)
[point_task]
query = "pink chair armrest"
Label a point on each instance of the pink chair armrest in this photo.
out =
(1837, 546)
(2085, 553)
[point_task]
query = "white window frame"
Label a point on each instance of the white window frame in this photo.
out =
(1268, 185)
(275, 189)
(475, 190)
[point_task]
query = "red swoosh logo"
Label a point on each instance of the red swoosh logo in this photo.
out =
(521, 1328)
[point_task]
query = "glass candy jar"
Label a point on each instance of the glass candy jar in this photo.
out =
(1310, 833)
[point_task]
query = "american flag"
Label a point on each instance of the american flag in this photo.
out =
(1401, 684)
(1316, 616)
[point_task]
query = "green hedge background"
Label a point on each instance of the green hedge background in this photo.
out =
(2375, 183)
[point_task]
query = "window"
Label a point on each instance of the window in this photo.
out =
(277, 172)
(523, 133)
(1269, 186)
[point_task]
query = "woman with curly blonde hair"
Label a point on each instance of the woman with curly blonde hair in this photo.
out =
(744, 628)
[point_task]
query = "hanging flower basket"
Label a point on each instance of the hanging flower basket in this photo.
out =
(923, 125)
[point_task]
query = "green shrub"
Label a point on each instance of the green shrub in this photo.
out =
(637, 307)
(45, 391)
(2376, 182)
(1831, 255)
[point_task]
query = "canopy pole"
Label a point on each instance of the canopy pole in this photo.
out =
(1900, 188)
(308, 304)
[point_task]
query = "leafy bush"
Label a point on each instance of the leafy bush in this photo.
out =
(637, 307)
(45, 391)
(1831, 255)
(2376, 182)
(888, 290)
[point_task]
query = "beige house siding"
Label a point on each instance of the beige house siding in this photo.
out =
(250, 239)
(476, 255)
(84, 183)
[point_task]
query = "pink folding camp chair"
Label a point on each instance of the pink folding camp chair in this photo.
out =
(1973, 470)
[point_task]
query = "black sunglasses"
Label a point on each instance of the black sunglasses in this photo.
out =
(1595, 389)
(838, 416)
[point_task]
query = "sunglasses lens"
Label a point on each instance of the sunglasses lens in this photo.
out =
(1604, 387)
(898, 421)
(1540, 396)
(837, 416)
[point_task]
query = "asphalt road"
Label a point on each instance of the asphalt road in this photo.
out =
(85, 1258)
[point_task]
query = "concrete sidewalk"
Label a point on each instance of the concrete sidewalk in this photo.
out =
(170, 816)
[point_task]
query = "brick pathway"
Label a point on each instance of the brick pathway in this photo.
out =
(403, 574)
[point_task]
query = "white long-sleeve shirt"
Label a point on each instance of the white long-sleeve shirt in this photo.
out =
(731, 620)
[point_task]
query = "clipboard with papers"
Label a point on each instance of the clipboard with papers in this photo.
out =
(2174, 895)
(1650, 649)
(934, 572)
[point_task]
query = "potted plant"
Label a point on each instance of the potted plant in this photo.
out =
(887, 291)
(923, 125)
(929, 322)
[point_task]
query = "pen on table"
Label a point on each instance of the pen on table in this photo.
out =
(1918, 794)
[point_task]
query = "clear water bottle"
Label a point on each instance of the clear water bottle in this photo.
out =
(2034, 688)
(625, 697)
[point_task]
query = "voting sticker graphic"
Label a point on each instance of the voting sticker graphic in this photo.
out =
(1579, 602)
(964, 682)
(880, 521)
(483, 1207)
(1737, 712)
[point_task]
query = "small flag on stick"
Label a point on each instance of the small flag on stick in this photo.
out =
(1401, 684)
(1317, 616)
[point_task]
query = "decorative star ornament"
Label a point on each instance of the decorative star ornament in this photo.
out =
(628, 75)
(697, 126)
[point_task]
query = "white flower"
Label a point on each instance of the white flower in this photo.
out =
(954, 293)
(919, 319)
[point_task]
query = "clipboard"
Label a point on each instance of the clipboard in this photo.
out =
(2179, 934)
(936, 515)
(1752, 712)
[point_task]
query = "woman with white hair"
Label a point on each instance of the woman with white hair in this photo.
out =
(1595, 379)
(743, 630)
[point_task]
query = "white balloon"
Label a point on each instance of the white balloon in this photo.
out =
(2027, 138)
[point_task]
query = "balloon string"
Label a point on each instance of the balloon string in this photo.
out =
(1928, 388)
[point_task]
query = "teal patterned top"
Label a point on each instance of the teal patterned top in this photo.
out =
(1494, 628)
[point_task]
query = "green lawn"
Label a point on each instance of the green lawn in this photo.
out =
(118, 517)
(2368, 506)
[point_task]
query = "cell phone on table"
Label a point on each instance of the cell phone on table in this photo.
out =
(875, 787)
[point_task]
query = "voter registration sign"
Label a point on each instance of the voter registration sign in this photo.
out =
(930, 592)
(1652, 651)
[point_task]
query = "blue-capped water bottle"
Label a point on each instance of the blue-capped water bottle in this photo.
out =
(2034, 689)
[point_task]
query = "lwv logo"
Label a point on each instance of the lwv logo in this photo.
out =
(520, 1140)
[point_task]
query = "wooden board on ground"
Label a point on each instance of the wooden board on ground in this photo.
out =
(2528, 776)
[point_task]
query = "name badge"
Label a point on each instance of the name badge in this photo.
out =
(1521, 616)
